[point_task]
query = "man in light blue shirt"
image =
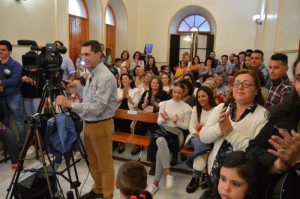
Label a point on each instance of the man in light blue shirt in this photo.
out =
(257, 60)
(97, 109)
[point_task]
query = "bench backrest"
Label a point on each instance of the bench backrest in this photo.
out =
(136, 115)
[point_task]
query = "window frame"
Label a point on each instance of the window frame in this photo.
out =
(189, 32)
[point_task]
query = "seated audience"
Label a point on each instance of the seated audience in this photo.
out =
(128, 99)
(151, 66)
(204, 106)
(225, 69)
(167, 84)
(136, 61)
(190, 78)
(238, 177)
(118, 63)
(108, 57)
(125, 60)
(173, 118)
(145, 85)
(188, 58)
(257, 61)
(132, 181)
(180, 71)
(261, 77)
(207, 69)
(232, 125)
(247, 61)
(215, 62)
(280, 83)
(213, 86)
(196, 66)
(221, 87)
(140, 75)
(149, 103)
(188, 93)
(277, 145)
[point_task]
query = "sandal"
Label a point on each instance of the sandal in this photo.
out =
(193, 185)
(204, 176)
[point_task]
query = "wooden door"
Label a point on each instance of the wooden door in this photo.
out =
(79, 32)
(111, 40)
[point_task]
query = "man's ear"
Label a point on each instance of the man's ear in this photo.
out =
(146, 186)
(116, 184)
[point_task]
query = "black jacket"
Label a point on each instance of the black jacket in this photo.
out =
(260, 145)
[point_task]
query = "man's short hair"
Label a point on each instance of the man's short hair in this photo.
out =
(242, 53)
(61, 43)
(7, 44)
(95, 45)
(224, 56)
(249, 51)
(131, 175)
(117, 60)
(280, 57)
(260, 52)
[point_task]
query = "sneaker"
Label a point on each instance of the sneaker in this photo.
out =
(91, 195)
(136, 149)
(169, 181)
(153, 189)
(14, 166)
(193, 185)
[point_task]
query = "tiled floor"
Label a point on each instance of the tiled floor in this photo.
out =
(176, 192)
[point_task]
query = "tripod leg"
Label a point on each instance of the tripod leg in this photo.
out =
(44, 163)
(16, 175)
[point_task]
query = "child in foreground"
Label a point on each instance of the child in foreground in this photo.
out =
(132, 181)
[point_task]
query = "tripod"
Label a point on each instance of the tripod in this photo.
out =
(50, 91)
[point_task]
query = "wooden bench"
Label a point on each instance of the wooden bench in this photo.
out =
(139, 140)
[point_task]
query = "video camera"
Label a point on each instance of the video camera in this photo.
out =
(49, 60)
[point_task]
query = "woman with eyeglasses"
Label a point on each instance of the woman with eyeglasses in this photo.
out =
(232, 125)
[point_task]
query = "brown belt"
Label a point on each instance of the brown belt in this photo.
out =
(93, 122)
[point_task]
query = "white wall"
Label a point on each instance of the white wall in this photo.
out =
(267, 34)
(235, 30)
(95, 19)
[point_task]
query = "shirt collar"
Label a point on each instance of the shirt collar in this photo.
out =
(279, 81)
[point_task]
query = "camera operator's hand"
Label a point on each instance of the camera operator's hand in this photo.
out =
(73, 83)
(63, 101)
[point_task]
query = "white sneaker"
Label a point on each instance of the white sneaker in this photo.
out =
(169, 181)
(153, 189)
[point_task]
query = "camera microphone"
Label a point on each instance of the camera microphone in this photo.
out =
(6, 74)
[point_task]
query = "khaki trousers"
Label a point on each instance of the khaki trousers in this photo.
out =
(98, 139)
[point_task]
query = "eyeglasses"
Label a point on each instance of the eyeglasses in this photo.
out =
(245, 84)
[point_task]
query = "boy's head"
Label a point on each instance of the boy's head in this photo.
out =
(118, 62)
(131, 176)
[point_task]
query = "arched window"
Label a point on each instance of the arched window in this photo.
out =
(194, 23)
(76, 7)
(109, 18)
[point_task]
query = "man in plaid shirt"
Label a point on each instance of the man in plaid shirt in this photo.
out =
(280, 86)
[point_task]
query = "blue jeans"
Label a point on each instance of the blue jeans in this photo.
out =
(199, 148)
(31, 105)
(9, 138)
(14, 105)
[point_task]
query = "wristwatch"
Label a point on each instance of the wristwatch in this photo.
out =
(297, 166)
